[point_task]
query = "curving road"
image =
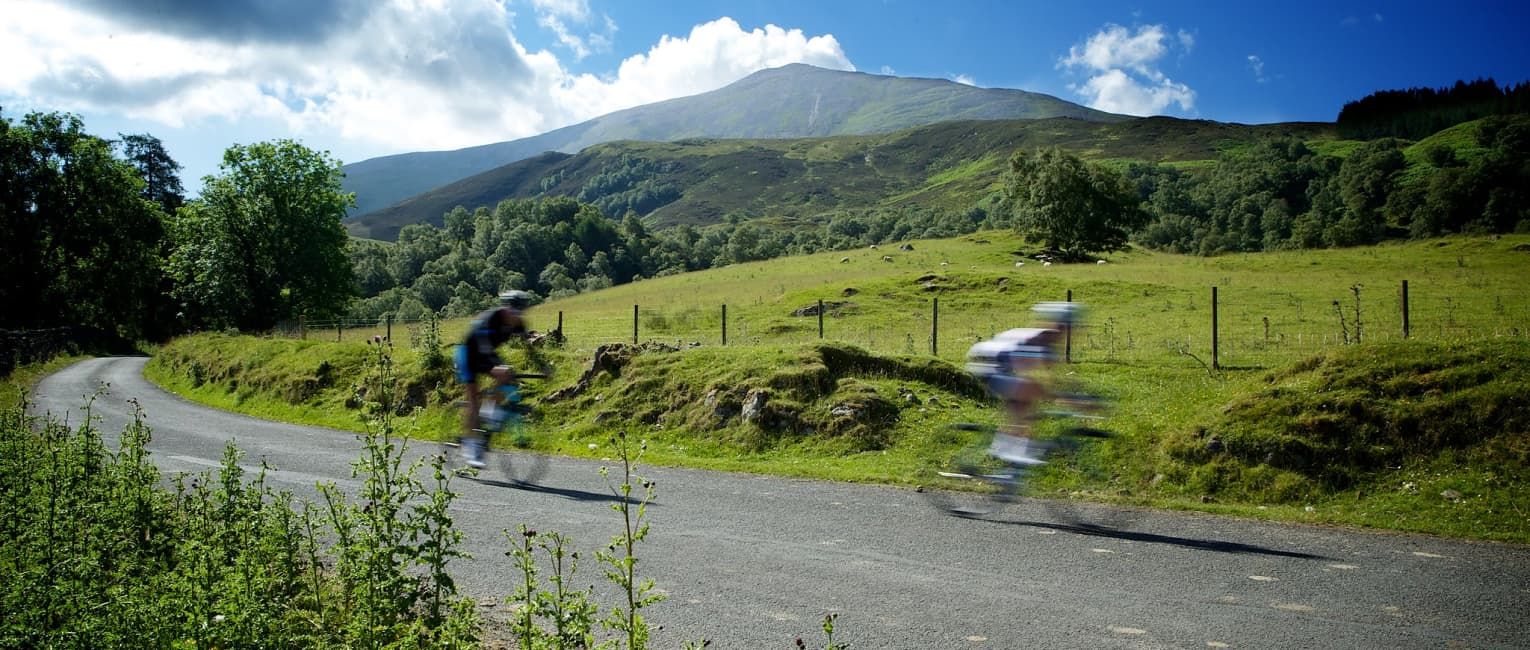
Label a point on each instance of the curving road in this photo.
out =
(754, 562)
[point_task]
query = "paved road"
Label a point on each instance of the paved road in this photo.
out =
(754, 562)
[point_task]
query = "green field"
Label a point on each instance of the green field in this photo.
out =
(1274, 401)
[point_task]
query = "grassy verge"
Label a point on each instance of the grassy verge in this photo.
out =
(23, 378)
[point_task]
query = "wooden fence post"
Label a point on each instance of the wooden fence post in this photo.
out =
(725, 324)
(1068, 337)
(390, 327)
(560, 323)
(1214, 363)
(935, 327)
(634, 325)
(1405, 308)
(820, 318)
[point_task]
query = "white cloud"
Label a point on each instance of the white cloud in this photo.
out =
(1257, 65)
(963, 79)
(1124, 76)
(888, 71)
(402, 75)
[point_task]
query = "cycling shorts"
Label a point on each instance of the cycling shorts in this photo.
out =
(470, 365)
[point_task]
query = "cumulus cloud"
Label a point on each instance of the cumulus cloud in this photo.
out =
(964, 79)
(1123, 70)
(404, 74)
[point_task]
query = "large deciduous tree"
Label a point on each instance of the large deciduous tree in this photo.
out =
(264, 242)
(1072, 207)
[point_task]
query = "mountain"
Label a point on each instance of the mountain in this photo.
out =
(699, 181)
(793, 101)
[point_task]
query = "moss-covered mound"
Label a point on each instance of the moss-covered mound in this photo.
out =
(1342, 419)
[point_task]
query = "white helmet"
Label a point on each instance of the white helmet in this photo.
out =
(1062, 313)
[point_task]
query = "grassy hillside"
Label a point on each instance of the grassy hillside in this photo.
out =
(1427, 434)
(952, 165)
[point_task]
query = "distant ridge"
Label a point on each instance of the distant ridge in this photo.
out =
(792, 101)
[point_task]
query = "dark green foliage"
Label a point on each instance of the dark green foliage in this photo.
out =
(1340, 418)
(79, 244)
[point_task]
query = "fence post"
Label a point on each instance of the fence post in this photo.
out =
(725, 324)
(1068, 337)
(935, 328)
(339, 327)
(1214, 365)
(560, 323)
(634, 324)
(302, 327)
(1405, 308)
(820, 318)
(390, 327)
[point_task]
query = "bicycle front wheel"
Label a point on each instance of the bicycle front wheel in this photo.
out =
(977, 491)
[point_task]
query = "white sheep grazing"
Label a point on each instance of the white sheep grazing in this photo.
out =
(873, 247)
(844, 260)
(945, 264)
(1100, 262)
(1046, 263)
(1019, 264)
(886, 258)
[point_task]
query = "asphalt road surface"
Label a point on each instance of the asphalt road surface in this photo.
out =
(755, 562)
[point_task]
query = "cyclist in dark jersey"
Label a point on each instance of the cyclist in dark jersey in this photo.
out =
(478, 355)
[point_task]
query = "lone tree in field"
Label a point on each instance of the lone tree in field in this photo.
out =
(1072, 207)
(264, 242)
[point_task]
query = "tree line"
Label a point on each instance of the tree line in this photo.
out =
(1417, 113)
(1281, 194)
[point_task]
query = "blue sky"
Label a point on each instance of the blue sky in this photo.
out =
(362, 78)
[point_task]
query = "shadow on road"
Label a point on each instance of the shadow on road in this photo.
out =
(567, 493)
(1152, 538)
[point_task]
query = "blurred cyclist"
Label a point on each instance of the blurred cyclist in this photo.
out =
(1010, 365)
(478, 355)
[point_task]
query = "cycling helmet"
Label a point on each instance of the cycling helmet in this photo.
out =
(515, 299)
(1062, 313)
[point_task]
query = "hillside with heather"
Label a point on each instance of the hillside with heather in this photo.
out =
(699, 181)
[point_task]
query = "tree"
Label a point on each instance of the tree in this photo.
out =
(78, 244)
(264, 242)
(1074, 208)
(160, 172)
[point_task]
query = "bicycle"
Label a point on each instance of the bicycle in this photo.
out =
(504, 416)
(989, 484)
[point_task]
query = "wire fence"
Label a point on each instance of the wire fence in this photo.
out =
(1217, 326)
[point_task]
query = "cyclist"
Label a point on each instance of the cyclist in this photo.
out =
(478, 355)
(1010, 365)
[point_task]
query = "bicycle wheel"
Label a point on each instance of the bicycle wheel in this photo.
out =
(1081, 508)
(979, 491)
(518, 462)
(451, 456)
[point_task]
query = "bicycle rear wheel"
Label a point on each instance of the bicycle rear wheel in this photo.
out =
(1083, 508)
(517, 462)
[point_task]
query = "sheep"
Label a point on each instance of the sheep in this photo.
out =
(844, 260)
(1046, 263)
(1019, 264)
(945, 264)
(1100, 262)
(873, 247)
(886, 258)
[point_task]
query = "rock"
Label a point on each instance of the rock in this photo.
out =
(1451, 495)
(1214, 445)
(908, 396)
(849, 291)
(754, 405)
(906, 247)
(829, 308)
